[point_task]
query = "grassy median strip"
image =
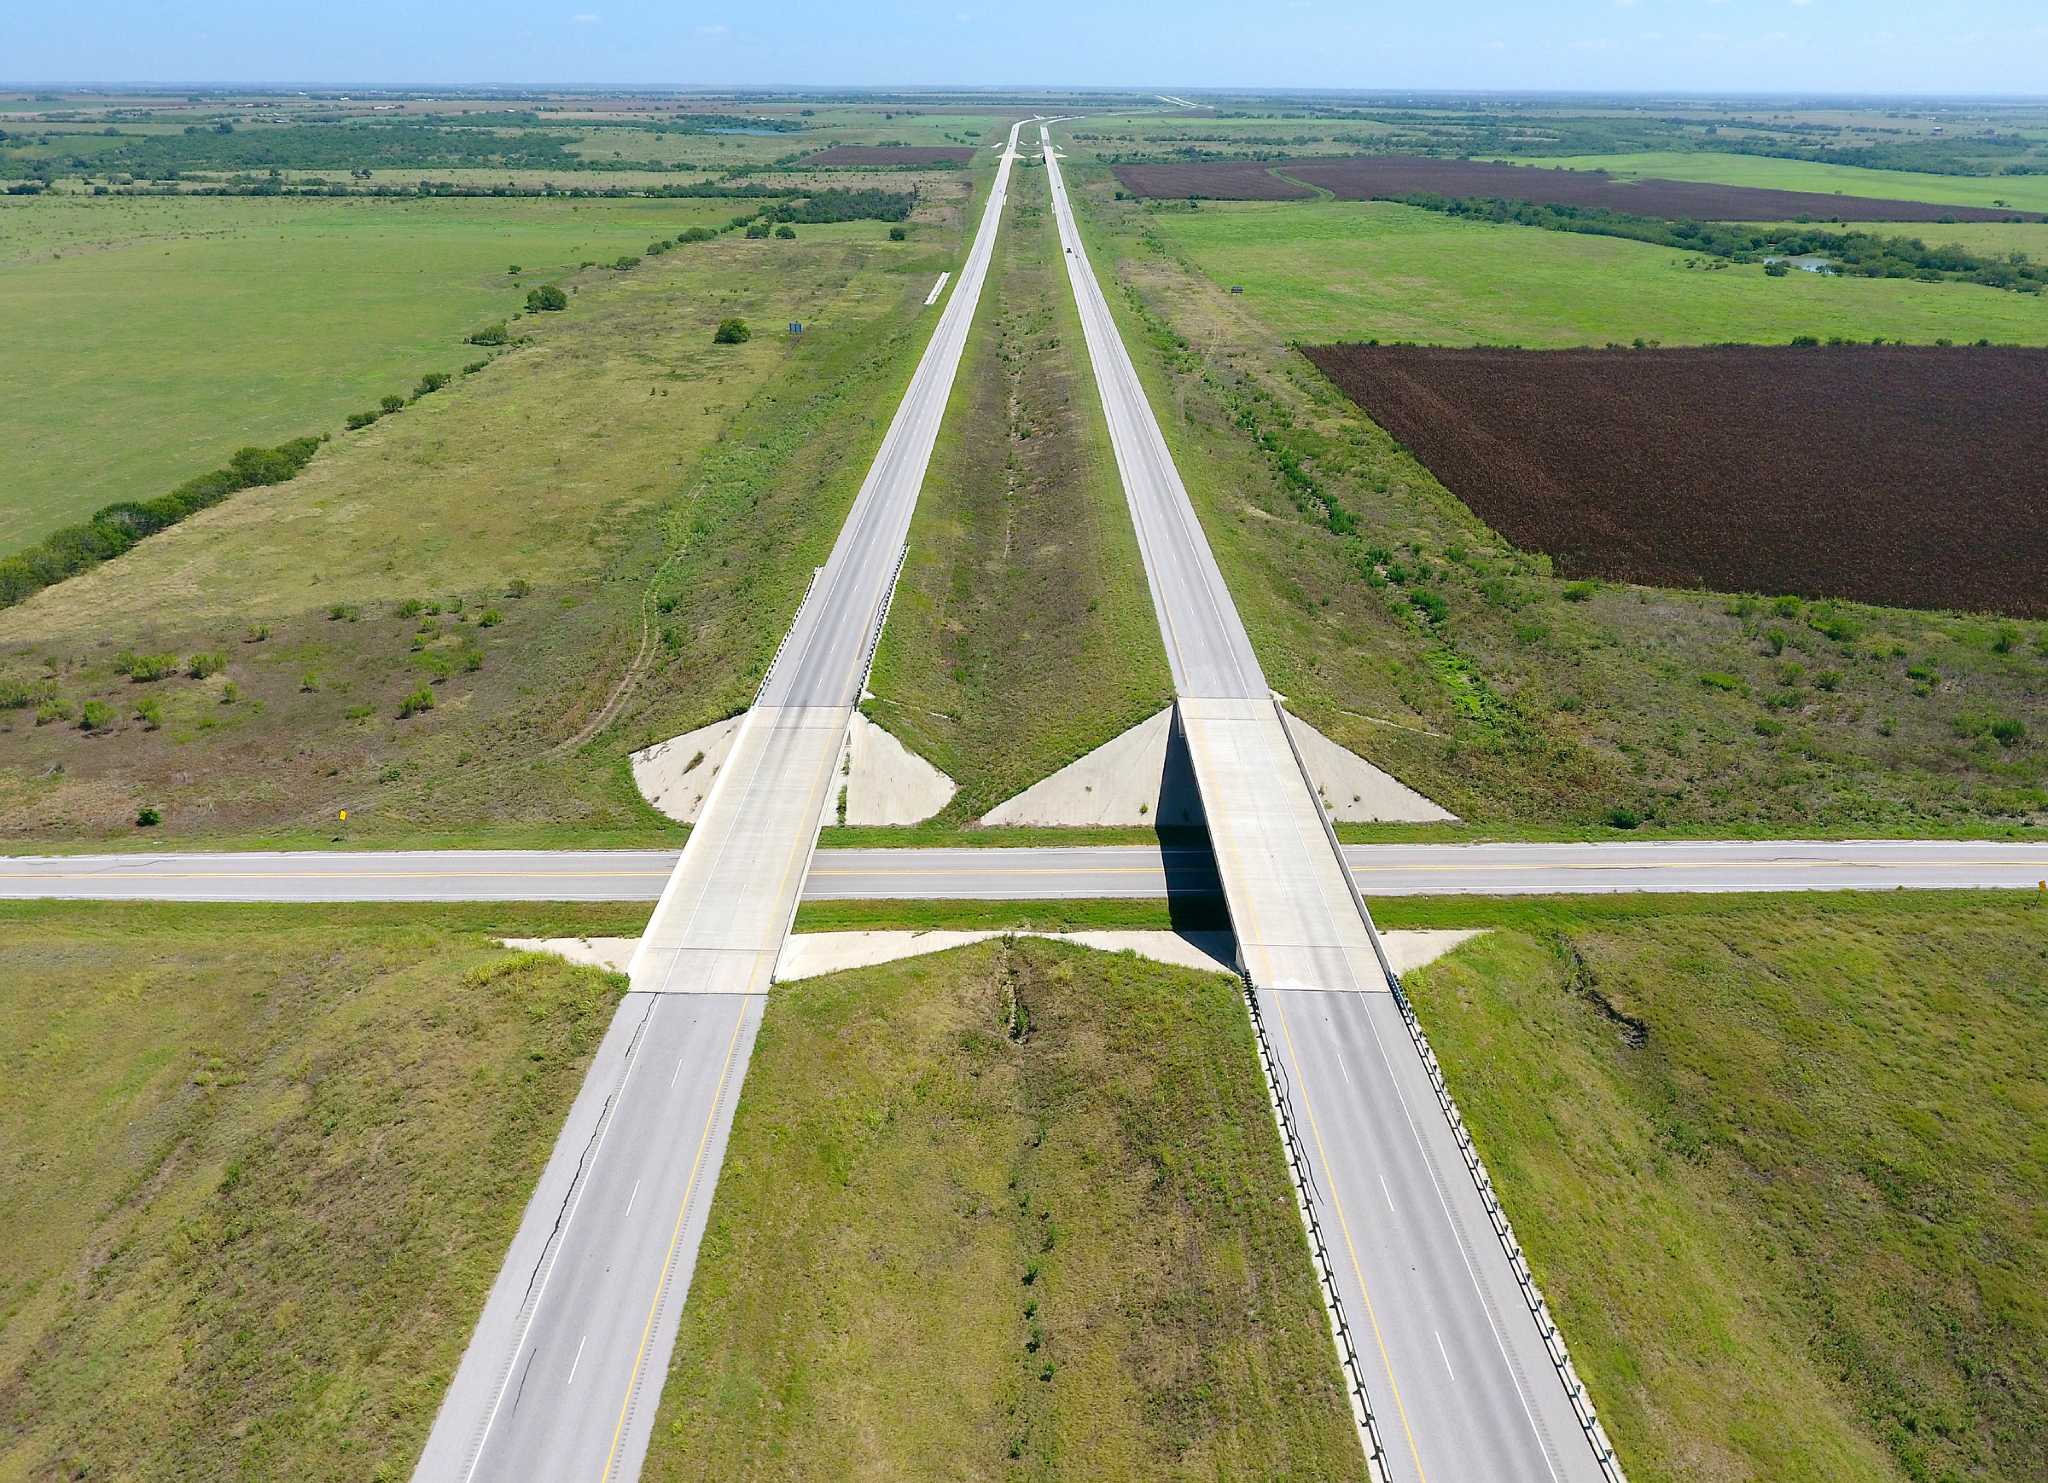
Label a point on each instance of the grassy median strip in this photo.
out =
(1013, 1211)
(1022, 635)
(261, 1167)
(1778, 1167)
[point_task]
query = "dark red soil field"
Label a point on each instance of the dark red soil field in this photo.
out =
(890, 154)
(1375, 177)
(1915, 476)
(1223, 180)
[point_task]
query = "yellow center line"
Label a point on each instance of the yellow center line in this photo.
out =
(1337, 1203)
(675, 1236)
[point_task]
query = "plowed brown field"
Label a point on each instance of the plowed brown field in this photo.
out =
(890, 154)
(1915, 476)
(1381, 176)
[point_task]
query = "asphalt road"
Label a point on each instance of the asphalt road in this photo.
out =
(1454, 1367)
(563, 1375)
(1036, 874)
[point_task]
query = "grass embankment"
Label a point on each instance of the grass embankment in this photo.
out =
(1022, 635)
(1371, 270)
(1531, 701)
(262, 1165)
(657, 499)
(1015, 1211)
(1779, 1171)
(153, 337)
(2021, 192)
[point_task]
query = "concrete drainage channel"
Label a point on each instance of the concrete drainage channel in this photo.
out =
(1302, 1176)
(1553, 1340)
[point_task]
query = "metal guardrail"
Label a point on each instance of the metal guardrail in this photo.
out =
(1302, 1175)
(867, 663)
(769, 673)
(1532, 1296)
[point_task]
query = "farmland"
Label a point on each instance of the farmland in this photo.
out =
(1055, 1168)
(1696, 468)
(1339, 270)
(262, 1164)
(1386, 176)
(1760, 172)
(149, 339)
(1533, 701)
(1776, 1162)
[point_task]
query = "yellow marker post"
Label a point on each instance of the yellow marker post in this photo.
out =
(343, 816)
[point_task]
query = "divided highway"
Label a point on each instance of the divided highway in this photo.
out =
(1455, 1369)
(1043, 873)
(564, 1373)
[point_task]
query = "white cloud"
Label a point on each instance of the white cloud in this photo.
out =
(1773, 38)
(585, 19)
(1802, 3)
(1650, 36)
(1710, 38)
(713, 30)
(1597, 44)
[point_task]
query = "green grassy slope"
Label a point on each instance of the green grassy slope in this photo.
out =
(1022, 634)
(261, 1165)
(1780, 1173)
(151, 338)
(1336, 270)
(1012, 1212)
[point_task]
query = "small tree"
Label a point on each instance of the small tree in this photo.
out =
(548, 296)
(786, 232)
(757, 228)
(430, 383)
(490, 334)
(393, 404)
(898, 234)
(732, 332)
(421, 699)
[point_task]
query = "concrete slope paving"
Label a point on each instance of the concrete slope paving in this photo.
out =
(563, 1375)
(1454, 1367)
(1037, 873)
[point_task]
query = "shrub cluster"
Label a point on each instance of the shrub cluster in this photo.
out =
(114, 528)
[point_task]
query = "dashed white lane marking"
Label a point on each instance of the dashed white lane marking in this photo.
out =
(577, 1362)
(1447, 1357)
(632, 1197)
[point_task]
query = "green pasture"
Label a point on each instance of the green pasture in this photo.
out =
(151, 338)
(1340, 270)
(2021, 192)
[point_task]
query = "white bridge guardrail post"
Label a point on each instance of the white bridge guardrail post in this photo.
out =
(1553, 1340)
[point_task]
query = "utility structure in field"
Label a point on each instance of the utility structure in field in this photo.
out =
(1463, 1374)
(564, 1373)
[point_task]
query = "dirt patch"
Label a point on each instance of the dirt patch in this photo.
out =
(1905, 475)
(890, 154)
(1379, 177)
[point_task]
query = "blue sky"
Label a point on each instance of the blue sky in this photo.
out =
(1729, 45)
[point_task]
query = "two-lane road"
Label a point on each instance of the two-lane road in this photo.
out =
(1043, 873)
